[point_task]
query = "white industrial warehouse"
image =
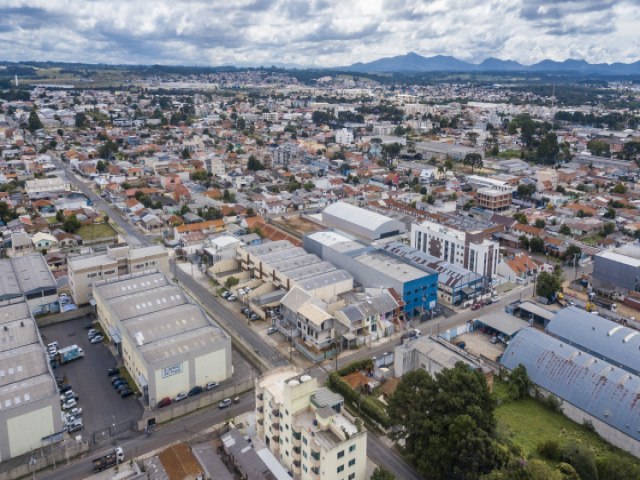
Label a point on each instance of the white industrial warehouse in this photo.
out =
(29, 403)
(167, 344)
(361, 222)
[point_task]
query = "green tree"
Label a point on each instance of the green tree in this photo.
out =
(599, 148)
(186, 154)
(101, 166)
(571, 252)
(108, 149)
(7, 214)
(536, 244)
(519, 383)
(610, 213)
(446, 422)
(308, 186)
(81, 120)
(228, 197)
(547, 284)
(381, 473)
(60, 216)
(473, 160)
(34, 122)
(548, 149)
(520, 218)
(448, 165)
(619, 188)
(610, 468)
(472, 138)
(254, 164)
(582, 460)
(526, 190)
(608, 228)
(231, 282)
(540, 223)
(565, 230)
(71, 224)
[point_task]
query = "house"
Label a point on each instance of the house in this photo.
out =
(44, 241)
(519, 266)
(208, 227)
(21, 244)
(151, 223)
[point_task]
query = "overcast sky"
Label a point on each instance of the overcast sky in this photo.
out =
(316, 32)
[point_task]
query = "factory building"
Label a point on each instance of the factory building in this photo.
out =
(167, 344)
(29, 277)
(361, 222)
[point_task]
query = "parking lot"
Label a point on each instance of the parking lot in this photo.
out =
(479, 343)
(101, 405)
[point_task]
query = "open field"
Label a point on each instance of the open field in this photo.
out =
(96, 231)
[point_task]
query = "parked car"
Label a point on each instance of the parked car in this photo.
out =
(76, 412)
(224, 403)
(232, 298)
(225, 294)
(68, 395)
(64, 387)
(246, 310)
(254, 316)
(75, 426)
(64, 299)
(113, 371)
(122, 387)
(92, 333)
(69, 404)
(195, 391)
(271, 330)
(126, 393)
(461, 345)
(88, 326)
(495, 298)
(181, 396)
(494, 339)
(97, 339)
(119, 383)
(475, 306)
(53, 345)
(165, 402)
(115, 379)
(211, 385)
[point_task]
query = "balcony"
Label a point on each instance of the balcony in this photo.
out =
(276, 439)
(296, 463)
(260, 396)
(260, 409)
(296, 452)
(296, 436)
(260, 421)
(275, 412)
(315, 455)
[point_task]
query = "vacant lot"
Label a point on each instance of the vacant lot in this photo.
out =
(530, 423)
(96, 232)
(300, 225)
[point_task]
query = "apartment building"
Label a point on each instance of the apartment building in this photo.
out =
(120, 261)
(462, 241)
(307, 428)
(494, 200)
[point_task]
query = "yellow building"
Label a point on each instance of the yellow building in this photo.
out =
(307, 428)
(167, 344)
(120, 261)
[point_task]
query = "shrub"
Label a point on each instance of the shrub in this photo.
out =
(368, 406)
(553, 403)
(580, 459)
(549, 449)
(355, 366)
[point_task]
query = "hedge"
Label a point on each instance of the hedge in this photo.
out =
(365, 364)
(367, 405)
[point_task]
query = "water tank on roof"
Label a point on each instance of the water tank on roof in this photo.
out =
(293, 383)
(305, 378)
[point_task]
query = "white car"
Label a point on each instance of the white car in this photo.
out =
(64, 299)
(181, 396)
(69, 404)
(96, 339)
(211, 385)
(224, 403)
(495, 298)
(76, 412)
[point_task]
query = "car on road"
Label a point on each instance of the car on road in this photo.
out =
(165, 402)
(52, 345)
(126, 393)
(195, 391)
(181, 396)
(461, 345)
(96, 339)
(211, 385)
(224, 403)
(69, 404)
(113, 371)
(271, 330)
(495, 298)
(232, 298)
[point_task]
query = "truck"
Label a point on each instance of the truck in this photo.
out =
(605, 303)
(69, 353)
(111, 459)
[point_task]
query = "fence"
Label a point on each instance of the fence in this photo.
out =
(108, 432)
(205, 399)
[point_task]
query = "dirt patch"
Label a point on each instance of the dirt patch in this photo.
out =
(179, 463)
(356, 380)
(301, 225)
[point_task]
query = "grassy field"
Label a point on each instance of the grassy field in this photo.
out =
(529, 423)
(95, 232)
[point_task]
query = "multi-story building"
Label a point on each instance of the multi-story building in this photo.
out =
(167, 344)
(120, 261)
(618, 269)
(372, 267)
(307, 428)
(29, 277)
(494, 200)
(463, 241)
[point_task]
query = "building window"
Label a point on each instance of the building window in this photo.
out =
(352, 462)
(352, 448)
(341, 454)
(352, 476)
(341, 468)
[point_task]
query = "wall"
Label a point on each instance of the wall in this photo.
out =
(26, 431)
(45, 457)
(615, 273)
(63, 317)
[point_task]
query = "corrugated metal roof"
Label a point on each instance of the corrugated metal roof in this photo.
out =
(601, 337)
(365, 219)
(593, 385)
(503, 322)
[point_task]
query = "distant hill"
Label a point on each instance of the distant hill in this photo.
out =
(413, 62)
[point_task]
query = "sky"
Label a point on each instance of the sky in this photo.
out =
(316, 32)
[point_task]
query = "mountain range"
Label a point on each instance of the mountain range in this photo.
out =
(413, 62)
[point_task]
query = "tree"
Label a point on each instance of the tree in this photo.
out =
(565, 230)
(536, 244)
(60, 216)
(381, 473)
(7, 214)
(524, 240)
(548, 149)
(71, 224)
(34, 122)
(448, 164)
(186, 154)
(608, 228)
(446, 422)
(582, 460)
(308, 186)
(540, 223)
(101, 166)
(81, 120)
(472, 137)
(519, 383)
(610, 213)
(619, 188)
(473, 160)
(599, 148)
(520, 218)
(526, 190)
(228, 197)
(571, 252)
(547, 284)
(254, 164)
(108, 149)
(231, 282)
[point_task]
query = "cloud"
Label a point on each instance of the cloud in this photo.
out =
(315, 32)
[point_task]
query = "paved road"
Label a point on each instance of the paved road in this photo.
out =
(381, 454)
(230, 322)
(135, 237)
(138, 444)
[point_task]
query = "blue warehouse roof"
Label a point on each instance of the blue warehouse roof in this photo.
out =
(593, 385)
(601, 337)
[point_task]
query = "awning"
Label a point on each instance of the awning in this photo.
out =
(503, 323)
(537, 310)
(349, 336)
